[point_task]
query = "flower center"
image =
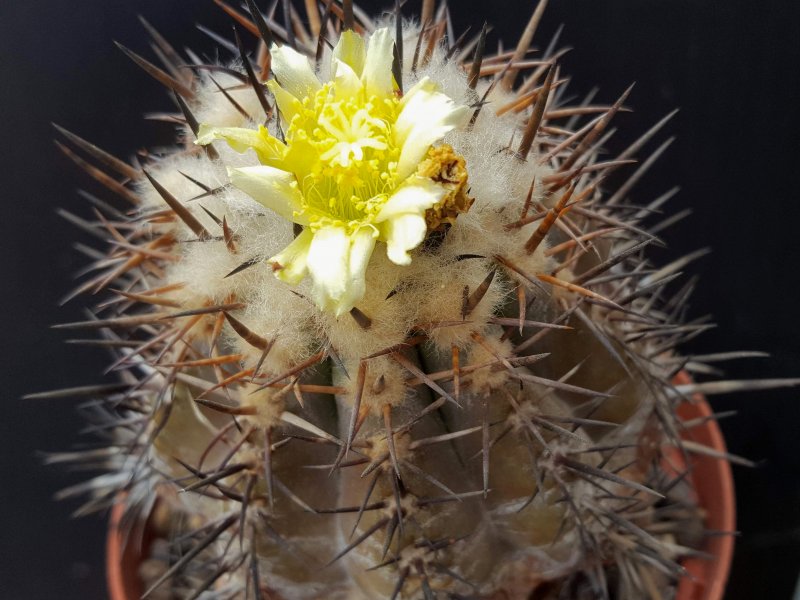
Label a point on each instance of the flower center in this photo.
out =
(349, 156)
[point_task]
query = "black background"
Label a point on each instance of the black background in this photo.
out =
(731, 67)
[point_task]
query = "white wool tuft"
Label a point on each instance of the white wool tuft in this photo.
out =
(281, 317)
(384, 383)
(493, 349)
(211, 105)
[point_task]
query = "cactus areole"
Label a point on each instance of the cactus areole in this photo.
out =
(384, 329)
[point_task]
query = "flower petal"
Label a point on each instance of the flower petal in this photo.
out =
(329, 265)
(288, 105)
(275, 189)
(403, 233)
(362, 243)
(377, 73)
(426, 115)
(415, 196)
(347, 83)
(351, 50)
(269, 149)
(291, 263)
(301, 157)
(293, 72)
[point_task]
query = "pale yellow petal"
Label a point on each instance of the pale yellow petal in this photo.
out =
(377, 73)
(403, 233)
(293, 72)
(362, 243)
(273, 188)
(329, 266)
(426, 115)
(347, 83)
(291, 264)
(415, 196)
(301, 157)
(351, 50)
(268, 148)
(288, 105)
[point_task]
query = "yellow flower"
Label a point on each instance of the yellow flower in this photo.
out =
(347, 170)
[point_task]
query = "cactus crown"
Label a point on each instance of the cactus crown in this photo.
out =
(484, 409)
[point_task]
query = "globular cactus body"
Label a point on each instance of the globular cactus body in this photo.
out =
(484, 417)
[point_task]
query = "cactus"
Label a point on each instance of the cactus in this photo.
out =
(384, 330)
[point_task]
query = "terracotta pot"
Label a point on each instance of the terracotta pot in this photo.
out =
(713, 483)
(123, 560)
(711, 478)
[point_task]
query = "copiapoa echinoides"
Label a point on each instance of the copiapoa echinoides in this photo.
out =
(385, 322)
